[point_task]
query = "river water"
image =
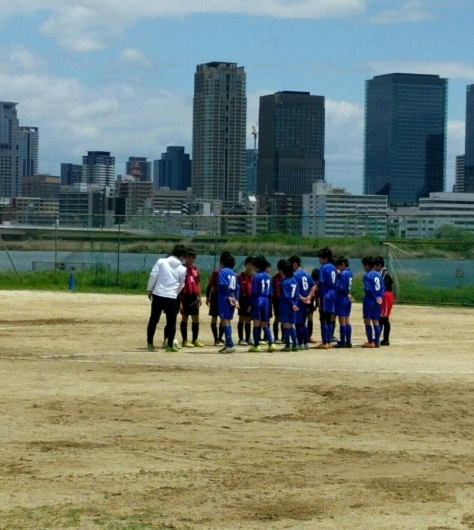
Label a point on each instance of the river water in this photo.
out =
(432, 273)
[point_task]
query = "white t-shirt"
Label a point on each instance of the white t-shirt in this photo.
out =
(167, 277)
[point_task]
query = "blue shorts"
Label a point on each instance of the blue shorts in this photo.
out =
(370, 309)
(302, 314)
(343, 306)
(261, 310)
(287, 316)
(226, 309)
(328, 302)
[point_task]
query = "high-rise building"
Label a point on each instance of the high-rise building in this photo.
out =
(143, 164)
(9, 160)
(291, 142)
(469, 173)
(98, 167)
(71, 174)
(405, 136)
(460, 173)
(251, 159)
(41, 186)
(219, 129)
(173, 171)
(28, 147)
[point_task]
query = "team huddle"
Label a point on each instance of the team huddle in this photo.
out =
(290, 297)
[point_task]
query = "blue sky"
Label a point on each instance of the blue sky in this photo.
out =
(118, 74)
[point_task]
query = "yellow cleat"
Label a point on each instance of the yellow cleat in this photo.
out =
(198, 344)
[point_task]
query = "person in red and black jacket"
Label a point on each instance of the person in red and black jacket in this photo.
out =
(245, 283)
(190, 302)
(387, 300)
(211, 302)
(276, 290)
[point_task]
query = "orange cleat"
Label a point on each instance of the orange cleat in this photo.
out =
(368, 345)
(323, 346)
(312, 340)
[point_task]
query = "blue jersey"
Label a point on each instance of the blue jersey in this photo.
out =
(261, 286)
(227, 284)
(373, 285)
(289, 293)
(344, 283)
(305, 282)
(327, 279)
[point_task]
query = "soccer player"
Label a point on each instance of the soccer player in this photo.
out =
(313, 306)
(276, 291)
(260, 304)
(190, 302)
(327, 296)
(211, 302)
(387, 300)
(343, 303)
(166, 282)
(227, 298)
(289, 297)
(372, 303)
(306, 287)
(245, 283)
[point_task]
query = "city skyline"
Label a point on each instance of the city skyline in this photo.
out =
(87, 86)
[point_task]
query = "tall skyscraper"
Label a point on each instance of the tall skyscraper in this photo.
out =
(173, 171)
(71, 174)
(469, 152)
(251, 160)
(291, 143)
(460, 173)
(98, 167)
(405, 136)
(9, 160)
(143, 164)
(28, 146)
(219, 129)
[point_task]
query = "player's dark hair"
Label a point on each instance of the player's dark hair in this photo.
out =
(287, 269)
(369, 261)
(342, 261)
(315, 275)
(179, 251)
(379, 261)
(191, 253)
(280, 264)
(248, 260)
(326, 253)
(227, 260)
(260, 263)
(224, 256)
(295, 259)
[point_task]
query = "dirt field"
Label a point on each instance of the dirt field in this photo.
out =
(98, 433)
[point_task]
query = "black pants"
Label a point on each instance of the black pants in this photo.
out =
(170, 308)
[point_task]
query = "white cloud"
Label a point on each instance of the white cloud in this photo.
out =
(87, 25)
(450, 69)
(136, 57)
(19, 59)
(406, 11)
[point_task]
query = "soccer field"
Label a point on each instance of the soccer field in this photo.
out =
(98, 433)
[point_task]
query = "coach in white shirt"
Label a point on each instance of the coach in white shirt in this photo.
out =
(165, 283)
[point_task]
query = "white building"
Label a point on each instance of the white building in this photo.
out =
(329, 212)
(28, 150)
(460, 173)
(98, 167)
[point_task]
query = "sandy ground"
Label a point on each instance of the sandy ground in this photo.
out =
(99, 433)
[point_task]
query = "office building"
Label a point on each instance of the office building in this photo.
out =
(251, 160)
(141, 163)
(334, 212)
(136, 193)
(36, 211)
(41, 186)
(173, 171)
(291, 142)
(469, 152)
(98, 167)
(170, 202)
(460, 173)
(28, 150)
(219, 131)
(283, 212)
(71, 174)
(83, 205)
(9, 159)
(405, 136)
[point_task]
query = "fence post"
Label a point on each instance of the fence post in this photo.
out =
(118, 251)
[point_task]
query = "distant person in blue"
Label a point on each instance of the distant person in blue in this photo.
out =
(344, 302)
(288, 308)
(260, 303)
(227, 298)
(372, 304)
(327, 296)
(306, 287)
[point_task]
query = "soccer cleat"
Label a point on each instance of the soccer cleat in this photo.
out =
(286, 349)
(227, 349)
(295, 348)
(264, 342)
(300, 347)
(323, 346)
(348, 344)
(150, 347)
(254, 349)
(340, 345)
(171, 349)
(220, 342)
(306, 346)
(312, 340)
(271, 348)
(198, 344)
(377, 344)
(278, 341)
(368, 345)
(243, 342)
(384, 343)
(187, 344)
